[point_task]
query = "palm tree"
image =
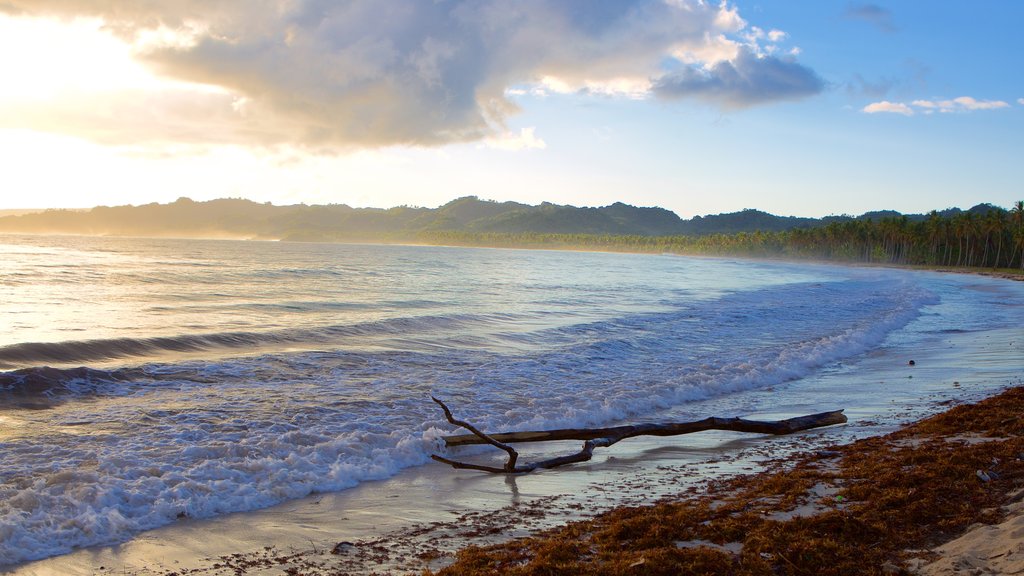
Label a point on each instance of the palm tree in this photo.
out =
(1017, 216)
(1016, 231)
(933, 230)
(992, 224)
(960, 229)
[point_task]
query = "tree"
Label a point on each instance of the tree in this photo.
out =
(1017, 217)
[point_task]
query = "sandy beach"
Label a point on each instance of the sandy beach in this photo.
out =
(942, 496)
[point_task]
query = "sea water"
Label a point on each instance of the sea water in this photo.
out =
(143, 381)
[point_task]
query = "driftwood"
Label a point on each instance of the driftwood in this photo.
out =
(604, 437)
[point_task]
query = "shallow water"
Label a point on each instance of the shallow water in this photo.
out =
(230, 376)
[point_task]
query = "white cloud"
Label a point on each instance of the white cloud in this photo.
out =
(888, 107)
(330, 74)
(726, 19)
(710, 51)
(961, 104)
(971, 104)
(1020, 101)
(525, 139)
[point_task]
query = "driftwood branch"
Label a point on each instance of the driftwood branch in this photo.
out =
(510, 465)
(605, 437)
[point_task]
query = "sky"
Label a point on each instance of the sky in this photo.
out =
(795, 108)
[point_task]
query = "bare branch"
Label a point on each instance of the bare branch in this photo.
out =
(481, 467)
(787, 426)
(510, 466)
(605, 437)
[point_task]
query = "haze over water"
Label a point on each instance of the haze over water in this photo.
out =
(194, 378)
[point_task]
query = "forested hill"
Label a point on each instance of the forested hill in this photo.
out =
(337, 222)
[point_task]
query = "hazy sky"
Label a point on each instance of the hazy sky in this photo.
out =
(798, 108)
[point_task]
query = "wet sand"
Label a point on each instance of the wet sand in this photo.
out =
(939, 497)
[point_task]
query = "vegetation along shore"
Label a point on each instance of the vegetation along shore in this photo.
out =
(983, 237)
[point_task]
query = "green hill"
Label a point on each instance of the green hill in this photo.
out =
(240, 218)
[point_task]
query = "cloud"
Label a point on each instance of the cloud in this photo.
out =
(873, 14)
(961, 104)
(972, 104)
(336, 74)
(747, 80)
(525, 139)
(142, 117)
(888, 107)
(1020, 101)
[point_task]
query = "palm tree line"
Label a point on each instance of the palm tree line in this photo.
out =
(991, 240)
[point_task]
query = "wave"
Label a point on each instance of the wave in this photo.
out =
(282, 426)
(30, 354)
(29, 387)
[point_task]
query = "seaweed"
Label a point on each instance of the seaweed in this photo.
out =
(879, 503)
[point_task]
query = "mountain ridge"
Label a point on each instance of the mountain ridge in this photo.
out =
(236, 217)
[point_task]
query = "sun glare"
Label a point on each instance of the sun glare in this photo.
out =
(55, 58)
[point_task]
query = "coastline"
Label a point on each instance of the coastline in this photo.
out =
(421, 518)
(1003, 273)
(941, 496)
(656, 515)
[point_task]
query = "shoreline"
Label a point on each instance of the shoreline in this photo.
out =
(1004, 273)
(419, 518)
(942, 496)
(831, 497)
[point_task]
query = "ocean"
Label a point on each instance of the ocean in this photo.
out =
(146, 381)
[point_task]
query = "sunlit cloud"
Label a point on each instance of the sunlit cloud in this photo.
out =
(525, 139)
(712, 50)
(47, 59)
(888, 108)
(347, 75)
(961, 104)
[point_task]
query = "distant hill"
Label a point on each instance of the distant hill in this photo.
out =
(240, 218)
(19, 211)
(746, 221)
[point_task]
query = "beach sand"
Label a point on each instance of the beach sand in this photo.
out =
(421, 517)
(984, 548)
(942, 496)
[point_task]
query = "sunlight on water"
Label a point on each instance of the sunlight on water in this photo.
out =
(118, 295)
(197, 378)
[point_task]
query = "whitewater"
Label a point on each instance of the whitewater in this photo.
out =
(146, 381)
